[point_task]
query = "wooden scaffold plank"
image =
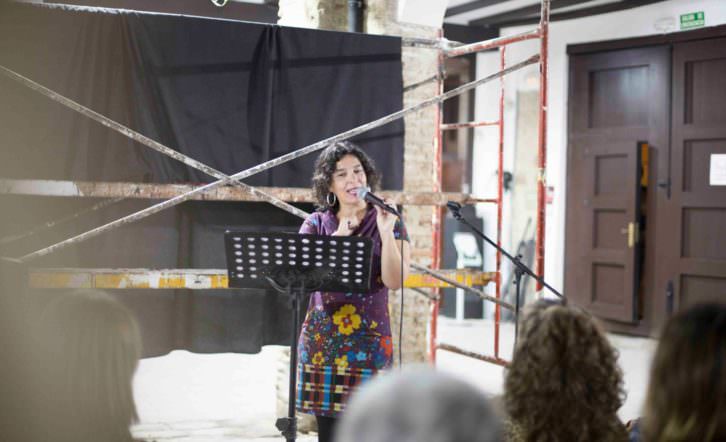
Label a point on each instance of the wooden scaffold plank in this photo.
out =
(90, 189)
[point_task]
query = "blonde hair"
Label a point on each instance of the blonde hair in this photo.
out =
(91, 346)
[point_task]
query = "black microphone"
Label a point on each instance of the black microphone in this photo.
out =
(365, 194)
(454, 208)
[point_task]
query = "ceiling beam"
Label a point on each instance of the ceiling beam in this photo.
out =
(471, 6)
(583, 12)
(650, 40)
(523, 13)
(469, 34)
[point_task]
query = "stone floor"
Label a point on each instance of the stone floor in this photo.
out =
(231, 397)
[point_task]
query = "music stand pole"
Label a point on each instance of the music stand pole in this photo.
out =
(288, 425)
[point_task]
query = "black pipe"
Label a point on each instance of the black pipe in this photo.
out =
(355, 15)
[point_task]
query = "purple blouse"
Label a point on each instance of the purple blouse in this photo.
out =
(349, 329)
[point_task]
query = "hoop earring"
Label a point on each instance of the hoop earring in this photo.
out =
(327, 199)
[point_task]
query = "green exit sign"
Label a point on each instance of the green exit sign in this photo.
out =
(693, 20)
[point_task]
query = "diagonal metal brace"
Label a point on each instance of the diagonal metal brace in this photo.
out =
(268, 164)
(146, 141)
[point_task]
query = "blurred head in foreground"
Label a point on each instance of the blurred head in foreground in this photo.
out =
(90, 348)
(418, 404)
(564, 382)
(686, 398)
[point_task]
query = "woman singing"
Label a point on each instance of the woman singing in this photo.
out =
(346, 337)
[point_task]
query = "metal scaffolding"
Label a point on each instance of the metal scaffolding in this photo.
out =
(230, 188)
(500, 43)
(222, 178)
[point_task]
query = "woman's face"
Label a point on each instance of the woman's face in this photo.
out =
(348, 177)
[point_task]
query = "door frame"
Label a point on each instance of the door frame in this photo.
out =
(652, 317)
(578, 240)
(653, 40)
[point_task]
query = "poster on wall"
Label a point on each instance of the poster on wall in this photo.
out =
(717, 170)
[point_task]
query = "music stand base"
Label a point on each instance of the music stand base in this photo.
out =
(287, 427)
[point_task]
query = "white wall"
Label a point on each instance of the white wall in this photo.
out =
(634, 22)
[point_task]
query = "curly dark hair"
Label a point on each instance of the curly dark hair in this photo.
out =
(325, 167)
(564, 382)
(686, 397)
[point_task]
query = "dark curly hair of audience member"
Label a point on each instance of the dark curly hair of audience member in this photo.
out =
(564, 382)
(325, 167)
(686, 398)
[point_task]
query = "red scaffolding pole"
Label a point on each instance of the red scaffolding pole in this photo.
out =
(500, 202)
(541, 32)
(542, 142)
(492, 44)
(436, 215)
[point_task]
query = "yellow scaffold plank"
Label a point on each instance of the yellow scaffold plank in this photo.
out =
(465, 277)
(68, 278)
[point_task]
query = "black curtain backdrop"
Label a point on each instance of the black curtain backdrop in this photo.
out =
(230, 94)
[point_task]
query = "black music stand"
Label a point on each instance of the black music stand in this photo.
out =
(295, 264)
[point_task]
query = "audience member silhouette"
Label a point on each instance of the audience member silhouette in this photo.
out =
(686, 397)
(564, 383)
(418, 404)
(90, 347)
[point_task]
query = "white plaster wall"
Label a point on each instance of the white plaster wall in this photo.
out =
(429, 13)
(485, 158)
(634, 22)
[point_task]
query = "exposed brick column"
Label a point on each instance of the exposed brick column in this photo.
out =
(418, 174)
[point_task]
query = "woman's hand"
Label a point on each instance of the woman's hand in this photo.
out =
(346, 226)
(385, 220)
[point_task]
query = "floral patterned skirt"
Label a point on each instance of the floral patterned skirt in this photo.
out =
(340, 347)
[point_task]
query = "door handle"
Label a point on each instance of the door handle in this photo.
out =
(632, 233)
(666, 185)
(670, 298)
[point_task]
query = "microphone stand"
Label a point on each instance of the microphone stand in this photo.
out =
(520, 268)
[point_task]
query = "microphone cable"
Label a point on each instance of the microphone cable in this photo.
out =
(364, 193)
(400, 323)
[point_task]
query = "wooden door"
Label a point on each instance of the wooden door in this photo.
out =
(618, 101)
(692, 244)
